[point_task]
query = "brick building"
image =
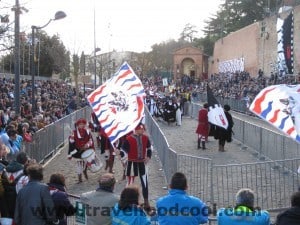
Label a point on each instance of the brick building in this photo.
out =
(191, 62)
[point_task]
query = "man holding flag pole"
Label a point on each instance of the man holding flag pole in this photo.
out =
(119, 107)
(216, 114)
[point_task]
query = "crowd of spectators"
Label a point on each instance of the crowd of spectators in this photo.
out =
(54, 99)
(241, 85)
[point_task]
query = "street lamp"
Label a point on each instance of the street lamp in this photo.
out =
(58, 15)
(17, 57)
(95, 67)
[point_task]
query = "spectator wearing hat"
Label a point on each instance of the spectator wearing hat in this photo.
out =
(243, 212)
(137, 147)
(80, 140)
(100, 201)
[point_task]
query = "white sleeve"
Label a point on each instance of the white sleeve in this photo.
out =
(21, 183)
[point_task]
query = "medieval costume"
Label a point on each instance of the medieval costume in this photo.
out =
(80, 140)
(203, 126)
(137, 147)
(222, 134)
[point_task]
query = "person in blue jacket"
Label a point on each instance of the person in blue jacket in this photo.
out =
(180, 208)
(244, 212)
(128, 210)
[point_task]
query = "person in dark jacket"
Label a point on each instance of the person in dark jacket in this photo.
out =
(34, 203)
(10, 177)
(222, 134)
(62, 204)
(292, 215)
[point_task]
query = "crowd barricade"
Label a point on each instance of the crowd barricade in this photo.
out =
(71, 220)
(48, 140)
(273, 180)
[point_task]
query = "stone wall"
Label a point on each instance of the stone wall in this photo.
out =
(256, 45)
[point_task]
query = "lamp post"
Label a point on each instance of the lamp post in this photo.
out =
(95, 67)
(58, 15)
(17, 57)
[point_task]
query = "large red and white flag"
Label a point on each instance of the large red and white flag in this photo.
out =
(280, 106)
(118, 103)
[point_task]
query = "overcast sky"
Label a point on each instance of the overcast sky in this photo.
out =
(129, 25)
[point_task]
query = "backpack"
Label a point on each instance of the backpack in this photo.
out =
(9, 182)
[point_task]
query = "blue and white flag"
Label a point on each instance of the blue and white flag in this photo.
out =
(119, 103)
(280, 106)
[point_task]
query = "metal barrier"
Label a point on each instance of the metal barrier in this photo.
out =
(237, 105)
(48, 140)
(167, 156)
(273, 181)
(71, 220)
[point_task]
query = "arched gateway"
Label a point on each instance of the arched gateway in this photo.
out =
(190, 65)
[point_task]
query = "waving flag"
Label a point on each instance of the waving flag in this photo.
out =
(280, 106)
(118, 103)
(216, 113)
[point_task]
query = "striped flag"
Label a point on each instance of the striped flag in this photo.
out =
(280, 106)
(118, 103)
(216, 113)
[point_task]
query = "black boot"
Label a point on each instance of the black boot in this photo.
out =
(203, 145)
(85, 174)
(199, 142)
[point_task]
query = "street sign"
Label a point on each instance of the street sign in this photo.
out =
(80, 216)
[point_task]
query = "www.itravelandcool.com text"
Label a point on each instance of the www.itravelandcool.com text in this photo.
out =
(160, 211)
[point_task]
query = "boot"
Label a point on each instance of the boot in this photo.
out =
(199, 142)
(79, 178)
(85, 174)
(221, 148)
(203, 145)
